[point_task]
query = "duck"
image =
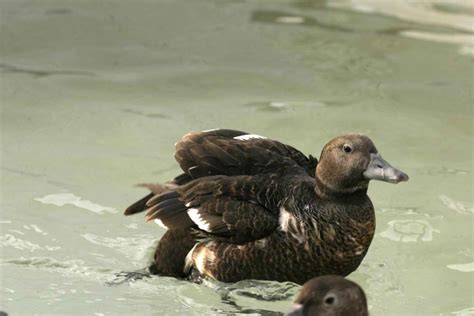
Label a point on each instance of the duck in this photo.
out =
(250, 207)
(330, 295)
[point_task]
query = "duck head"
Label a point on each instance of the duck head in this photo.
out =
(330, 295)
(349, 162)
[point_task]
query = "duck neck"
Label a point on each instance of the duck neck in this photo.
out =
(325, 191)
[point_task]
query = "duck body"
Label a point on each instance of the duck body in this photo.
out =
(247, 207)
(311, 237)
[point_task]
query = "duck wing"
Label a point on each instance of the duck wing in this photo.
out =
(235, 209)
(231, 152)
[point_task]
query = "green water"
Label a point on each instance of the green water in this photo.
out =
(95, 93)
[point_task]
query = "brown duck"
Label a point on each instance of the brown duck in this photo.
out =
(330, 295)
(248, 207)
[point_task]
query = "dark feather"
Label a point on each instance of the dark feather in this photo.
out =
(138, 206)
(202, 154)
(220, 207)
(217, 152)
(182, 179)
(162, 197)
(177, 221)
(165, 209)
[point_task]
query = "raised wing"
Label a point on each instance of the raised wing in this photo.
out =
(230, 152)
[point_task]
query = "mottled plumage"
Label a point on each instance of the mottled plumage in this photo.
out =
(330, 295)
(254, 208)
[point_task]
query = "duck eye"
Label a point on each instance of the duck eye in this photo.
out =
(330, 299)
(347, 148)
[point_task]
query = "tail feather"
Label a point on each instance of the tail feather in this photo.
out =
(159, 188)
(138, 206)
(162, 197)
(156, 190)
(165, 209)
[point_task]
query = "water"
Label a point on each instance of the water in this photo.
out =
(94, 95)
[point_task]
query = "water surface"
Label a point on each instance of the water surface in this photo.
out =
(95, 94)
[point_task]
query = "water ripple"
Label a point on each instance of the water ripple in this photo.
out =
(137, 248)
(243, 294)
(260, 290)
(73, 267)
(457, 206)
(464, 312)
(280, 106)
(463, 267)
(424, 12)
(62, 199)
(20, 244)
(38, 73)
(409, 230)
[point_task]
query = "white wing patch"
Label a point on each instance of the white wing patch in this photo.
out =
(198, 220)
(159, 222)
(249, 136)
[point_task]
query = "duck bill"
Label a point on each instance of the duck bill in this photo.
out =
(379, 169)
(296, 310)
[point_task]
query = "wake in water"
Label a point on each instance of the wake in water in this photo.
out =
(230, 294)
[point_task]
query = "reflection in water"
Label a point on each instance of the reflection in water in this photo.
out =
(61, 11)
(260, 290)
(280, 106)
(62, 199)
(464, 312)
(35, 228)
(423, 12)
(279, 17)
(239, 310)
(5, 68)
(382, 279)
(434, 171)
(466, 267)
(457, 18)
(409, 230)
(269, 106)
(151, 115)
(466, 41)
(456, 205)
(137, 248)
(71, 268)
(128, 277)
(257, 290)
(17, 243)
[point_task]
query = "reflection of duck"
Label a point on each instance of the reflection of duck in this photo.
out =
(247, 207)
(330, 295)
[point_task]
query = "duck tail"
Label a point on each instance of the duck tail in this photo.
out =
(156, 189)
(138, 206)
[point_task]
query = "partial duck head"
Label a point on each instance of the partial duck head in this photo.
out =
(330, 295)
(349, 162)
